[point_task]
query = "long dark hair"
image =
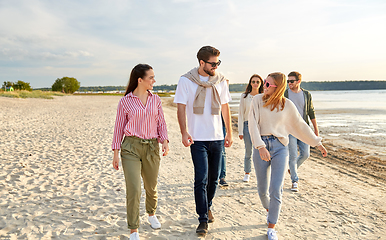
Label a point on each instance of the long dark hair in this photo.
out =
(249, 86)
(138, 71)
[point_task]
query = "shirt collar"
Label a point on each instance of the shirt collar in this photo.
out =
(132, 95)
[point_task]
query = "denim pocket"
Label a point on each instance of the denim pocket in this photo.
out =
(278, 147)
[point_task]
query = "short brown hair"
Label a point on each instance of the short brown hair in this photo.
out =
(206, 52)
(297, 75)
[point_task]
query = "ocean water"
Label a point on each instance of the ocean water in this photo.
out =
(352, 114)
(347, 114)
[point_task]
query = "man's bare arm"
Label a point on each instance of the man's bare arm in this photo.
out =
(226, 114)
(181, 115)
(316, 130)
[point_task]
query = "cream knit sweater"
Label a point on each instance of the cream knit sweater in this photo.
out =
(199, 98)
(245, 105)
(264, 122)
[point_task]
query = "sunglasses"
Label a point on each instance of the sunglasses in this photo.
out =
(253, 82)
(268, 85)
(292, 81)
(214, 64)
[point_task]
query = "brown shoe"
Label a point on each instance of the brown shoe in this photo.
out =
(210, 217)
(202, 228)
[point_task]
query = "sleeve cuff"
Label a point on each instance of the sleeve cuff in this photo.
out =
(161, 140)
(115, 146)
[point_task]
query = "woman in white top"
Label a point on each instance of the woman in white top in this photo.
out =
(271, 119)
(254, 87)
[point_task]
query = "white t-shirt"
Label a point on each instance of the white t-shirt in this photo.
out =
(202, 127)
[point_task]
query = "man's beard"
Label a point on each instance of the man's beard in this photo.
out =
(294, 87)
(209, 72)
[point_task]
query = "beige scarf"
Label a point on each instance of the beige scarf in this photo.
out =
(199, 98)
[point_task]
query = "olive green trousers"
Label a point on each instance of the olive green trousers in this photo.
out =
(140, 157)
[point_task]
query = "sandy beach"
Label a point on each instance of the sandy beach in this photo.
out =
(57, 182)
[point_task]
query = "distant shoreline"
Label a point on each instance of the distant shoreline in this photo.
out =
(240, 87)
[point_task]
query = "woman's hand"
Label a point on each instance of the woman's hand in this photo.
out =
(116, 159)
(323, 150)
(165, 148)
(241, 137)
(264, 154)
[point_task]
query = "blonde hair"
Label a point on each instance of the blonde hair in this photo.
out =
(277, 99)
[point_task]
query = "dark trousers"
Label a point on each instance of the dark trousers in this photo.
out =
(223, 167)
(206, 157)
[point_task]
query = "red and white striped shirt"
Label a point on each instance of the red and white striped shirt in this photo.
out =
(135, 119)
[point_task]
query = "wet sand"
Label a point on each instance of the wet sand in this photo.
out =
(57, 182)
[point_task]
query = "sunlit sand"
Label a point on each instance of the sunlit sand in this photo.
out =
(56, 181)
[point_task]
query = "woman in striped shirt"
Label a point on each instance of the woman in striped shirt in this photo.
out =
(141, 124)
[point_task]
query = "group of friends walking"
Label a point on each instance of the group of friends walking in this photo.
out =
(273, 122)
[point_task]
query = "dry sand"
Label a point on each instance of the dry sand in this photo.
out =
(57, 182)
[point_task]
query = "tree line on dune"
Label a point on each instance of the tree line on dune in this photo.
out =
(18, 85)
(238, 87)
(64, 85)
(70, 85)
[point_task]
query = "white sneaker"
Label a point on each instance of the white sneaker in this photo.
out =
(294, 187)
(246, 177)
(154, 223)
(272, 234)
(134, 236)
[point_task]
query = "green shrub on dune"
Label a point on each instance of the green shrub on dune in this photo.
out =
(9, 94)
(165, 94)
(31, 94)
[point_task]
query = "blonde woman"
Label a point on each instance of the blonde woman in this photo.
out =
(140, 123)
(271, 119)
(254, 87)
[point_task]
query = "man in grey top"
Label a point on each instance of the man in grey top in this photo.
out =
(303, 102)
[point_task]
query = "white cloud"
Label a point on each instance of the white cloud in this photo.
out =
(99, 42)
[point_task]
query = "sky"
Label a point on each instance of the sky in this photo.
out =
(99, 42)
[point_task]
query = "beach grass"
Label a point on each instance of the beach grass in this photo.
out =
(31, 94)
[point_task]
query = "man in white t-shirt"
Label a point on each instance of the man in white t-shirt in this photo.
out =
(303, 102)
(201, 96)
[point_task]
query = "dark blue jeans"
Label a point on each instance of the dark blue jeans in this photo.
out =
(206, 157)
(223, 167)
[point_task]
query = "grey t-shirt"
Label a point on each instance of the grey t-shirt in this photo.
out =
(298, 100)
